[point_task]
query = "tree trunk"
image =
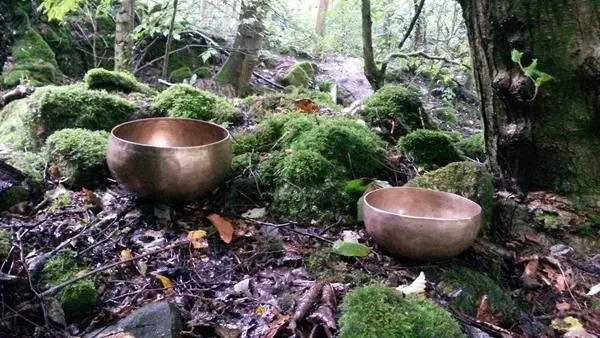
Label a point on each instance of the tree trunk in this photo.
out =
(321, 13)
(125, 23)
(373, 74)
(5, 35)
(165, 70)
(240, 64)
(419, 37)
(552, 142)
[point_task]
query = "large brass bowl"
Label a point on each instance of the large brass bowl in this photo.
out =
(421, 224)
(169, 159)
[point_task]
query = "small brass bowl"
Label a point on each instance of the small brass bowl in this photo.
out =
(169, 159)
(421, 224)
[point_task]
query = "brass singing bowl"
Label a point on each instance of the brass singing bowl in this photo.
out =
(421, 224)
(169, 159)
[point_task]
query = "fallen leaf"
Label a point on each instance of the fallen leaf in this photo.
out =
(594, 290)
(571, 327)
(417, 286)
(259, 310)
(306, 106)
(223, 225)
(563, 306)
(142, 268)
(198, 239)
(350, 249)
(167, 284)
(483, 305)
(91, 199)
(126, 255)
(53, 172)
(255, 213)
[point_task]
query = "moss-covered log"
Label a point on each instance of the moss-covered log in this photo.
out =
(551, 142)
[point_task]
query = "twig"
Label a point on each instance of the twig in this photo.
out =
(106, 267)
(422, 53)
(285, 226)
(412, 24)
(489, 327)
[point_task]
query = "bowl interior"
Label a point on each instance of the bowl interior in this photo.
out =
(422, 203)
(170, 132)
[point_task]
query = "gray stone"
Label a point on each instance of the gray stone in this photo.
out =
(160, 320)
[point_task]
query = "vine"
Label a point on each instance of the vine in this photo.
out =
(537, 77)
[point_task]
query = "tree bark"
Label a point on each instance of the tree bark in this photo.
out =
(552, 142)
(125, 23)
(419, 37)
(240, 64)
(373, 74)
(165, 69)
(321, 13)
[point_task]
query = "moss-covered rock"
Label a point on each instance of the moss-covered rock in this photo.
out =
(398, 104)
(31, 164)
(189, 102)
(181, 74)
(473, 147)
(100, 78)
(266, 104)
(71, 61)
(202, 72)
(300, 75)
(80, 156)
(379, 312)
(446, 114)
(468, 179)
(429, 147)
(4, 244)
(474, 286)
(78, 299)
(34, 60)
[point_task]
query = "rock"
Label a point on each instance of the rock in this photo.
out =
(468, 179)
(160, 319)
(14, 187)
(301, 74)
(103, 79)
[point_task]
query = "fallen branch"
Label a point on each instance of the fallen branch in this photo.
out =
(61, 286)
(488, 327)
(19, 92)
(422, 54)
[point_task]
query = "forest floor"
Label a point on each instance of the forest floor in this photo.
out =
(242, 275)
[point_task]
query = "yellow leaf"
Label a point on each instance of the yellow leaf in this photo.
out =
(223, 225)
(198, 239)
(126, 255)
(259, 310)
(167, 284)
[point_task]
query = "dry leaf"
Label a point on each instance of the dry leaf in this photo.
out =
(198, 239)
(126, 255)
(167, 284)
(417, 286)
(563, 306)
(306, 106)
(53, 172)
(482, 308)
(223, 225)
(91, 199)
(594, 290)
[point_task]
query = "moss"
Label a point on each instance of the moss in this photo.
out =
(77, 107)
(446, 114)
(202, 72)
(31, 164)
(100, 78)
(245, 143)
(78, 299)
(389, 315)
(4, 244)
(80, 156)
(242, 162)
(189, 102)
(547, 221)
(14, 195)
(325, 86)
(61, 201)
(181, 74)
(348, 143)
(474, 286)
(12, 121)
(300, 75)
(33, 60)
(468, 179)
(429, 147)
(399, 104)
(306, 167)
(264, 105)
(324, 264)
(473, 147)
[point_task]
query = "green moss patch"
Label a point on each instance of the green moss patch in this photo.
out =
(474, 286)
(261, 106)
(379, 312)
(446, 114)
(468, 179)
(398, 104)
(202, 72)
(189, 102)
(473, 147)
(80, 156)
(100, 78)
(300, 75)
(181, 74)
(31, 164)
(4, 244)
(429, 147)
(78, 299)
(34, 60)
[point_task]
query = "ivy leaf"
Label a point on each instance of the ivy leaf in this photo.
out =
(531, 71)
(542, 78)
(350, 249)
(516, 56)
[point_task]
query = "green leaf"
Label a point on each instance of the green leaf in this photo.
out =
(516, 56)
(531, 71)
(542, 78)
(350, 249)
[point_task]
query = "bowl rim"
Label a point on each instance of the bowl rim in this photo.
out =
(225, 139)
(366, 203)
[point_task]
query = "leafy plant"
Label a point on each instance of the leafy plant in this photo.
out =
(537, 77)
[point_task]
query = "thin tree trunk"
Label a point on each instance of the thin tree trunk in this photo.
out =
(125, 23)
(419, 37)
(321, 13)
(240, 64)
(552, 142)
(165, 70)
(373, 74)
